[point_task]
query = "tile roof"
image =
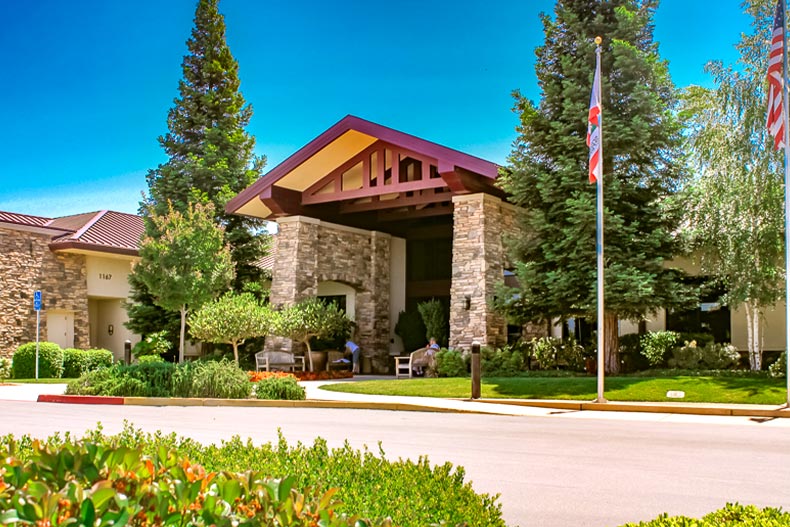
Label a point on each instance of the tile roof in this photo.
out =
(103, 231)
(265, 262)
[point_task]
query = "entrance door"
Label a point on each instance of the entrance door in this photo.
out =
(60, 328)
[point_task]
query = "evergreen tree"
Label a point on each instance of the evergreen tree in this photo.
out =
(210, 154)
(556, 262)
(736, 197)
(211, 159)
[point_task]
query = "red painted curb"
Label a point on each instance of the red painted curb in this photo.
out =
(80, 399)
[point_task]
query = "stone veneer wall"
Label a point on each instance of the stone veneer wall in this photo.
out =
(481, 223)
(28, 264)
(309, 251)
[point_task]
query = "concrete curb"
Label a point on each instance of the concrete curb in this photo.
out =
(743, 410)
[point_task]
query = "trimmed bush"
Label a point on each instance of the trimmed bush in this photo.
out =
(367, 484)
(283, 387)
(657, 344)
(732, 515)
(411, 329)
(450, 363)
(710, 357)
(50, 361)
(5, 368)
(504, 362)
(77, 362)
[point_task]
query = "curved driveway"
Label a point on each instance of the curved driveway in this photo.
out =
(552, 468)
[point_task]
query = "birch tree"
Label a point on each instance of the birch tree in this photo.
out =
(736, 197)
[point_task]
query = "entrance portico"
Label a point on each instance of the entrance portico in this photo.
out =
(394, 218)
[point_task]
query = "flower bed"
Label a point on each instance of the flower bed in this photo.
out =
(256, 376)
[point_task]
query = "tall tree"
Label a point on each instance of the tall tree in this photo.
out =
(736, 197)
(556, 262)
(211, 156)
(187, 263)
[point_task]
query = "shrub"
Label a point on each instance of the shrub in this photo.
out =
(411, 329)
(631, 353)
(153, 344)
(120, 380)
(368, 484)
(91, 484)
(436, 321)
(50, 361)
(450, 363)
(5, 368)
(148, 359)
(505, 362)
(76, 362)
(656, 345)
(571, 354)
(732, 515)
(779, 367)
(711, 357)
(221, 379)
(280, 387)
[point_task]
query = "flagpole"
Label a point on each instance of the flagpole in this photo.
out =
(787, 196)
(599, 240)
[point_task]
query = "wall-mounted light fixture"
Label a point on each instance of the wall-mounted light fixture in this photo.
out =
(110, 329)
(467, 302)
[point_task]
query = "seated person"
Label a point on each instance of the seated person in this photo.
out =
(419, 364)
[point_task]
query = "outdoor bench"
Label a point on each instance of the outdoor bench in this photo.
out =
(280, 360)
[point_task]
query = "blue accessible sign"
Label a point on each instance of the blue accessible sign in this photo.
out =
(37, 300)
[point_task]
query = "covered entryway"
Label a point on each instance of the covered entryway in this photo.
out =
(396, 218)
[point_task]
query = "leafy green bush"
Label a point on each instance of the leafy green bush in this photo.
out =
(77, 362)
(450, 363)
(711, 357)
(546, 351)
(94, 484)
(779, 367)
(504, 362)
(220, 379)
(148, 359)
(280, 387)
(120, 380)
(657, 344)
(50, 361)
(5, 368)
(732, 515)
(631, 353)
(368, 484)
(702, 339)
(153, 344)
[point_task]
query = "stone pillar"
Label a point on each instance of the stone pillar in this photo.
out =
(294, 273)
(373, 313)
(478, 265)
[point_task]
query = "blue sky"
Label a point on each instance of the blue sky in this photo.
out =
(87, 85)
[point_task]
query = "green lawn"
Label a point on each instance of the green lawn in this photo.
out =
(747, 390)
(36, 381)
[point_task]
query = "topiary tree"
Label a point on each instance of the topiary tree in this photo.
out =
(411, 329)
(436, 321)
(231, 319)
(307, 319)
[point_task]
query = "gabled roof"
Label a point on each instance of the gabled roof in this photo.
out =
(343, 141)
(104, 231)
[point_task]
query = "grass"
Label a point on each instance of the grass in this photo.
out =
(701, 389)
(36, 381)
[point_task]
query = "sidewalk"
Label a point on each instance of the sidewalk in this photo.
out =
(318, 398)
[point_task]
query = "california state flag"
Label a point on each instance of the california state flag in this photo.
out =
(594, 124)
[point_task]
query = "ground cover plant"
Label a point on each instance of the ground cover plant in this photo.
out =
(366, 483)
(715, 387)
(732, 515)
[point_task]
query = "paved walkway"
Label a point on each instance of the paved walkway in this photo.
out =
(316, 397)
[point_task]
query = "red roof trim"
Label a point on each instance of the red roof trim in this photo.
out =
(446, 156)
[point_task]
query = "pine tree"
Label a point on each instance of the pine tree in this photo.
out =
(210, 154)
(556, 262)
(211, 158)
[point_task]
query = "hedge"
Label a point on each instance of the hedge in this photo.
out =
(732, 515)
(78, 362)
(50, 361)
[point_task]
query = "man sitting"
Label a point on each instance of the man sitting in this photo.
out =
(423, 361)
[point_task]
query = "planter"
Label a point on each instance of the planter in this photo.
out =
(319, 360)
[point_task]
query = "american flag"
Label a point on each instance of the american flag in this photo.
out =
(776, 118)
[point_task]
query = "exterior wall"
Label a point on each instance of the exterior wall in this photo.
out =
(310, 251)
(481, 223)
(339, 289)
(107, 326)
(397, 291)
(28, 265)
(655, 322)
(108, 277)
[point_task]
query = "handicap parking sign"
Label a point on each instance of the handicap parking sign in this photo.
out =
(37, 300)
